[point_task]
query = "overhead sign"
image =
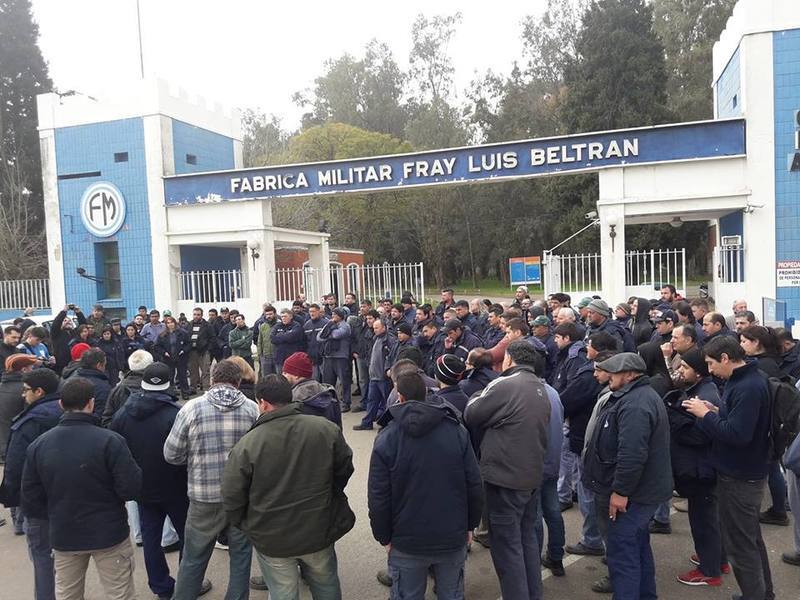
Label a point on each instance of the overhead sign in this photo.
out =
(489, 162)
(524, 270)
(788, 273)
(102, 209)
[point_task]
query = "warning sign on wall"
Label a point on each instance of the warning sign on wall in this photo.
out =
(788, 273)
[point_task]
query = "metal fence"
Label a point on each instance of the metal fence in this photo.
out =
(579, 274)
(24, 293)
(213, 286)
(730, 263)
(367, 281)
(654, 268)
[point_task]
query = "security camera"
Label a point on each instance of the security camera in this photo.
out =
(591, 215)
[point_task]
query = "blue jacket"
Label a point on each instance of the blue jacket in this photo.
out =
(476, 380)
(335, 340)
(286, 340)
(455, 396)
(425, 491)
(492, 337)
(33, 421)
(102, 387)
(555, 435)
(310, 330)
(79, 476)
(145, 421)
(690, 446)
(552, 357)
(625, 341)
(468, 341)
(740, 432)
(629, 449)
(578, 389)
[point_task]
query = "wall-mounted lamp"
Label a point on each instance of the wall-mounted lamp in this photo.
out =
(612, 234)
(254, 247)
(82, 273)
(676, 222)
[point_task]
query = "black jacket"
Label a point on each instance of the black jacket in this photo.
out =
(461, 347)
(175, 343)
(454, 396)
(310, 331)
(511, 418)
(60, 338)
(130, 384)
(37, 418)
(424, 489)
(11, 401)
(576, 386)
(286, 340)
(492, 337)
(623, 335)
(629, 449)
(476, 380)
(6, 351)
(640, 324)
(199, 336)
(79, 476)
(102, 387)
(145, 421)
(790, 362)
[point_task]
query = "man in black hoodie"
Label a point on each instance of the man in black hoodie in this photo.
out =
(145, 421)
(451, 506)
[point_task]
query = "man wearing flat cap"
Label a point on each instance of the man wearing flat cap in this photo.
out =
(627, 466)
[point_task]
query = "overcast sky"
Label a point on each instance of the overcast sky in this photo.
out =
(257, 53)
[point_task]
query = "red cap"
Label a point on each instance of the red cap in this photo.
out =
(78, 350)
(299, 365)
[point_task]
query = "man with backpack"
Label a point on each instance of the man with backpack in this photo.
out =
(740, 435)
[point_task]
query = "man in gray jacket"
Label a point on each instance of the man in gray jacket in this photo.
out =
(334, 339)
(627, 465)
(510, 420)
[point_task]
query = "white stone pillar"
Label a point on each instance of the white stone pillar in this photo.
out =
(611, 212)
(55, 251)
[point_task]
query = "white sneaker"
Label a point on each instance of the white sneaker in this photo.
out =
(219, 546)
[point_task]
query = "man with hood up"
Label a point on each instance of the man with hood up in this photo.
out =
(423, 447)
(203, 434)
(640, 324)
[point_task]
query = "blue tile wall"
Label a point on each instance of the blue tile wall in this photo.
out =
(786, 65)
(89, 148)
(214, 152)
(729, 90)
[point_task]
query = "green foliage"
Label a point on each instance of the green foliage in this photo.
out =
(265, 142)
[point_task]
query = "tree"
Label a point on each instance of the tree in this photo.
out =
(619, 76)
(23, 75)
(688, 29)
(264, 142)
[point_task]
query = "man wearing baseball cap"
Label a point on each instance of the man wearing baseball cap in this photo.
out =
(598, 318)
(627, 466)
(540, 329)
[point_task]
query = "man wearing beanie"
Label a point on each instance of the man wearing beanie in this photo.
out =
(138, 361)
(316, 398)
(695, 477)
(449, 371)
(75, 353)
(599, 319)
(404, 340)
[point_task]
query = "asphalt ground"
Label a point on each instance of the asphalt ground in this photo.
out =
(360, 557)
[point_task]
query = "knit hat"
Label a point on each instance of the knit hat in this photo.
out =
(299, 365)
(139, 360)
(156, 377)
(624, 361)
(599, 306)
(624, 307)
(449, 369)
(584, 302)
(17, 362)
(78, 350)
(540, 321)
(694, 358)
(404, 328)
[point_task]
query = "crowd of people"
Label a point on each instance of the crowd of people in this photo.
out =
(495, 418)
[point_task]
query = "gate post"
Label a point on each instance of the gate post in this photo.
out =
(612, 251)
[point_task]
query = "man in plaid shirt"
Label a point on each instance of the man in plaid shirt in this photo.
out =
(204, 432)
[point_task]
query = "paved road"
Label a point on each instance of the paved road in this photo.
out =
(360, 557)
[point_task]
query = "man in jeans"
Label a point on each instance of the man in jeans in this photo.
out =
(41, 413)
(292, 518)
(78, 477)
(627, 466)
(379, 383)
(510, 419)
(423, 468)
(739, 432)
(204, 431)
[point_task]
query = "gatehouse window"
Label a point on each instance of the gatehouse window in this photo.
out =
(110, 286)
(191, 159)
(120, 157)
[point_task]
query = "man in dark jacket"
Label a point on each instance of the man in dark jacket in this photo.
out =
(379, 384)
(311, 328)
(61, 330)
(287, 338)
(315, 398)
(599, 319)
(627, 465)
(493, 332)
(335, 340)
(93, 368)
(11, 337)
(263, 499)
(510, 418)
(199, 356)
(449, 371)
(423, 447)
(458, 339)
(41, 413)
(739, 431)
(540, 328)
(479, 372)
(130, 384)
(446, 303)
(145, 421)
(78, 476)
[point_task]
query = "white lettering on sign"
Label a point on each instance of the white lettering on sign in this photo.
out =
(102, 209)
(555, 155)
(267, 183)
(495, 161)
(787, 273)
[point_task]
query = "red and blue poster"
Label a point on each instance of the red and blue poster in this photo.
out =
(524, 270)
